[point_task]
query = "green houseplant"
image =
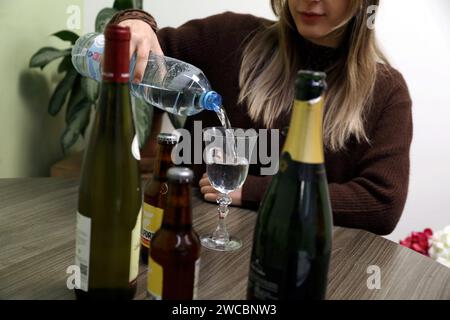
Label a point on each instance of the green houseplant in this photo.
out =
(81, 93)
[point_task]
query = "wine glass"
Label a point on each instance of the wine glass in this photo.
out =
(227, 155)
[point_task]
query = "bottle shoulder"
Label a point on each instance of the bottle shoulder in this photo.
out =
(154, 186)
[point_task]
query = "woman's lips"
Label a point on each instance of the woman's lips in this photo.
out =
(311, 17)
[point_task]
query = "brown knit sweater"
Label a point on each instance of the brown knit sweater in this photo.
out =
(368, 183)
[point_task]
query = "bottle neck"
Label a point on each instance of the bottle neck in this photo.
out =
(163, 161)
(304, 142)
(116, 62)
(178, 211)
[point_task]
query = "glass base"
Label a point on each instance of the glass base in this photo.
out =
(209, 242)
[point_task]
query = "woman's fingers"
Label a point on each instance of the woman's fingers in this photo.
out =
(205, 185)
(204, 181)
(208, 189)
(143, 41)
(134, 37)
(142, 54)
(211, 197)
(155, 46)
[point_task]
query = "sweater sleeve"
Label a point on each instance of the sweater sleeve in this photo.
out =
(134, 14)
(375, 199)
(196, 41)
(206, 43)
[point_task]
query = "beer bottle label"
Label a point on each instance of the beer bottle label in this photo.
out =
(151, 222)
(135, 246)
(154, 279)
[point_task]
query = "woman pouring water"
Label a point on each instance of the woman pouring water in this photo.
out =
(252, 62)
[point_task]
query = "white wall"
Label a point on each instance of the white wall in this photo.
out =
(29, 136)
(415, 34)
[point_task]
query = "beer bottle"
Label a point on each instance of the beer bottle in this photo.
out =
(173, 264)
(292, 239)
(155, 192)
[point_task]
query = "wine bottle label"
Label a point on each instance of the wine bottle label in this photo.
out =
(154, 279)
(135, 148)
(83, 242)
(151, 222)
(135, 246)
(196, 276)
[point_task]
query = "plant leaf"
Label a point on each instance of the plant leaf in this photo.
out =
(137, 4)
(76, 96)
(65, 65)
(103, 18)
(76, 126)
(59, 95)
(143, 115)
(90, 88)
(46, 55)
(123, 4)
(66, 35)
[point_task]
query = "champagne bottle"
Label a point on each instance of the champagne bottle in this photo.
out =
(292, 239)
(174, 258)
(155, 192)
(110, 200)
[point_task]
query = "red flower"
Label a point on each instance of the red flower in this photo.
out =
(418, 241)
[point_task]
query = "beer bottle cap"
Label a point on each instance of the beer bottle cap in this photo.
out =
(167, 138)
(180, 175)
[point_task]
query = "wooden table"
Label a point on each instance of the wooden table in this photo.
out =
(37, 244)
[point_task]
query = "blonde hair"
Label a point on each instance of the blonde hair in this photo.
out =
(270, 63)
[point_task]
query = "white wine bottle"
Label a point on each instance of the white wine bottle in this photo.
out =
(292, 239)
(110, 200)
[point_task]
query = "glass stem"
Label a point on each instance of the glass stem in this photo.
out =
(221, 234)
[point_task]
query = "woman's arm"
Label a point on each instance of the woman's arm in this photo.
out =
(375, 199)
(196, 41)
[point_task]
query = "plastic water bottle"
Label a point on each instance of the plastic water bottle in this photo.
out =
(170, 84)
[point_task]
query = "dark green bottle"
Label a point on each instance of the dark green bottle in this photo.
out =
(292, 240)
(110, 200)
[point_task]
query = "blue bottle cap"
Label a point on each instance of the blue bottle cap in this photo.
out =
(211, 100)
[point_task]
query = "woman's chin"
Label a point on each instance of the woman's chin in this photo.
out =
(314, 35)
(313, 32)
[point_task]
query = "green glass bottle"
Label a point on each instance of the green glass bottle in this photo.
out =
(292, 240)
(110, 200)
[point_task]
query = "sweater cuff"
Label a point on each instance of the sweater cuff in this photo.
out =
(253, 191)
(137, 14)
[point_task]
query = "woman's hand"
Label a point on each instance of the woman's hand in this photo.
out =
(143, 41)
(210, 194)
